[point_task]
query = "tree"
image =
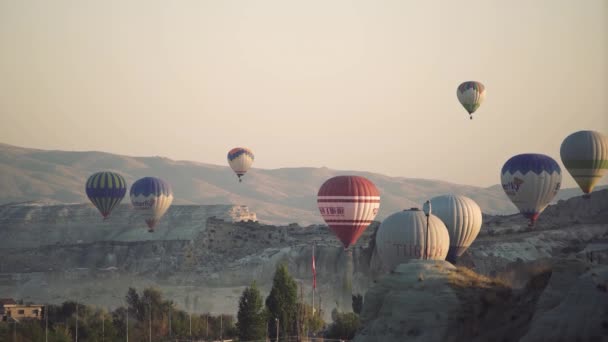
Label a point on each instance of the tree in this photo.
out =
(282, 303)
(195, 304)
(345, 326)
(135, 304)
(251, 322)
(311, 320)
(187, 302)
(357, 304)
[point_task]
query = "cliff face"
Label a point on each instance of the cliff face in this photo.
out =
(32, 225)
(59, 252)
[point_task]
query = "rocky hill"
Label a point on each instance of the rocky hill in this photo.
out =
(202, 259)
(546, 283)
(279, 196)
(435, 301)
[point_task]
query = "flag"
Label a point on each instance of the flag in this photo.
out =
(314, 269)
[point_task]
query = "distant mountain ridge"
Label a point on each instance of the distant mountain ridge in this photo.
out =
(277, 196)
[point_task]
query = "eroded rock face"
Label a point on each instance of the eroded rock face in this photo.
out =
(435, 301)
(574, 306)
(410, 304)
(564, 300)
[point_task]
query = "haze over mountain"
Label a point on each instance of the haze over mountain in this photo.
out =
(277, 196)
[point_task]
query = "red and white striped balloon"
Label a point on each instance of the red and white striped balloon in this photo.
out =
(348, 205)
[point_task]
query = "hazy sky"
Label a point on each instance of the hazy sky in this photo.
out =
(356, 85)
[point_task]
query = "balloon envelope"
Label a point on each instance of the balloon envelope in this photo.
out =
(585, 156)
(462, 217)
(531, 181)
(106, 190)
(240, 160)
(152, 197)
(471, 94)
(348, 205)
(402, 237)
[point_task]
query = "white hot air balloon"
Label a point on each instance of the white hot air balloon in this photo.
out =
(462, 217)
(402, 235)
(531, 181)
(585, 156)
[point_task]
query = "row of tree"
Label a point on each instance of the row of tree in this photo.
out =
(149, 314)
(146, 313)
(284, 313)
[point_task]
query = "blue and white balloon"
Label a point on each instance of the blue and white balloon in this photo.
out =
(240, 160)
(531, 181)
(152, 197)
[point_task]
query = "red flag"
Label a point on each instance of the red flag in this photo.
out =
(314, 271)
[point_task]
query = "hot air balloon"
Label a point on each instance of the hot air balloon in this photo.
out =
(402, 236)
(585, 156)
(240, 160)
(531, 181)
(106, 190)
(462, 217)
(471, 94)
(151, 197)
(348, 205)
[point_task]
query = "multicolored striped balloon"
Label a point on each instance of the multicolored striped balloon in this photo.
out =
(240, 160)
(348, 205)
(106, 190)
(403, 236)
(531, 181)
(471, 94)
(152, 197)
(462, 217)
(585, 156)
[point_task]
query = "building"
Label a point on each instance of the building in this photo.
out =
(11, 310)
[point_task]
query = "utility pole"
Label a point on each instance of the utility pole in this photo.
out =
(76, 321)
(190, 313)
(103, 327)
(298, 315)
(221, 327)
(302, 312)
(170, 333)
(277, 320)
(314, 281)
(207, 327)
(127, 323)
(150, 326)
(46, 323)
